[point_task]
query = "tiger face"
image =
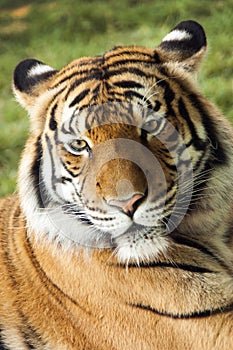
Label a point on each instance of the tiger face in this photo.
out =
(119, 143)
(114, 175)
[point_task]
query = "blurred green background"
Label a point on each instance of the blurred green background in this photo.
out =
(57, 32)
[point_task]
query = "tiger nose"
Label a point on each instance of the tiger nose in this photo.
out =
(129, 205)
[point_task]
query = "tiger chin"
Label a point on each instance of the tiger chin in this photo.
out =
(120, 236)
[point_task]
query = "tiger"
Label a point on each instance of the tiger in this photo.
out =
(120, 234)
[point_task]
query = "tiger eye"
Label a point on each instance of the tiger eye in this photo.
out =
(78, 145)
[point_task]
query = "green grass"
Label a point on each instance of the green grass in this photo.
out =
(57, 32)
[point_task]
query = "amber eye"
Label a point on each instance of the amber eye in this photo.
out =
(78, 146)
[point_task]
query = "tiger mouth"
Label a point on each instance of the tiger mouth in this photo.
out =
(137, 231)
(134, 235)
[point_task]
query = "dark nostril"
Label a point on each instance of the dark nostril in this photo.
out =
(130, 205)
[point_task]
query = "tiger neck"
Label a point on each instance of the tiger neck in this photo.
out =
(97, 278)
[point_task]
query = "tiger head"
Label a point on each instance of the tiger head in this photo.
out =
(123, 151)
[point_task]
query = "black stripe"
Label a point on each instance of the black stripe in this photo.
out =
(87, 62)
(219, 155)
(27, 340)
(197, 142)
(79, 98)
(195, 314)
(131, 70)
(130, 51)
(54, 179)
(144, 136)
(2, 345)
(156, 57)
(52, 122)
(51, 287)
(96, 90)
(71, 129)
(68, 130)
(131, 93)
(75, 74)
(189, 243)
(96, 75)
(129, 61)
(163, 264)
(32, 338)
(169, 94)
(170, 200)
(171, 167)
(72, 210)
(69, 170)
(156, 107)
(35, 172)
(50, 151)
(184, 241)
(200, 163)
(155, 198)
(114, 95)
(65, 179)
(12, 274)
(100, 75)
(130, 84)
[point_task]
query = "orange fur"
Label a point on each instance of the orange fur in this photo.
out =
(84, 302)
(119, 282)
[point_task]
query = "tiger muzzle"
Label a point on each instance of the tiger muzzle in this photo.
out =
(121, 183)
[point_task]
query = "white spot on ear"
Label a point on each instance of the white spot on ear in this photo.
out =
(39, 69)
(177, 35)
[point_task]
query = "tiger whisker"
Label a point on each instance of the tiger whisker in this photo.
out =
(146, 98)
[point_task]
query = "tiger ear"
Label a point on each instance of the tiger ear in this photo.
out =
(29, 77)
(185, 44)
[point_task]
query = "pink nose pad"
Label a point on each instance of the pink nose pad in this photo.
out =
(127, 205)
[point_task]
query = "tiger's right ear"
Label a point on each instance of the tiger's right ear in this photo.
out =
(29, 77)
(186, 45)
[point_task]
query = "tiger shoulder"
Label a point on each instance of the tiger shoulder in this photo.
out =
(120, 235)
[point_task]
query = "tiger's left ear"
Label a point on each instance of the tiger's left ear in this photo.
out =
(30, 78)
(185, 44)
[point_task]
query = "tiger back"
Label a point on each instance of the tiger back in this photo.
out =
(120, 236)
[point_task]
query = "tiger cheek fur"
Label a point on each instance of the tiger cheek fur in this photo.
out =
(121, 234)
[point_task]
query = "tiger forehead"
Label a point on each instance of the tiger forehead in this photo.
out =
(109, 77)
(113, 116)
(118, 55)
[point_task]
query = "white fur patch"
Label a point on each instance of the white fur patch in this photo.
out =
(39, 69)
(139, 249)
(177, 35)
